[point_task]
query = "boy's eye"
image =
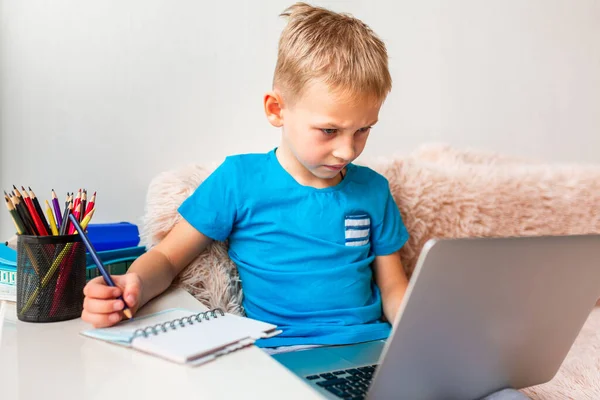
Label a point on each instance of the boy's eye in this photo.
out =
(329, 131)
(365, 129)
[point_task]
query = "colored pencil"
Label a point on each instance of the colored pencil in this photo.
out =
(20, 230)
(57, 211)
(94, 255)
(16, 191)
(77, 214)
(38, 208)
(91, 204)
(77, 199)
(24, 212)
(15, 216)
(83, 203)
(53, 226)
(36, 218)
(14, 200)
(64, 216)
(86, 220)
(15, 203)
(65, 226)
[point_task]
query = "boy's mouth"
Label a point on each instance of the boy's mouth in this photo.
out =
(337, 167)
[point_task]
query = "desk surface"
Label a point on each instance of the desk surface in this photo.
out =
(52, 360)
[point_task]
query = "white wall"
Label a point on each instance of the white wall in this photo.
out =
(106, 94)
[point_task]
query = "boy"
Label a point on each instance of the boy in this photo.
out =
(315, 237)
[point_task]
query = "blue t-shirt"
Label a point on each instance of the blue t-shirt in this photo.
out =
(303, 254)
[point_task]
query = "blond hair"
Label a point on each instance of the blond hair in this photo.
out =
(337, 49)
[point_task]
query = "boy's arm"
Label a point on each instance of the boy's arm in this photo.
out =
(158, 267)
(392, 282)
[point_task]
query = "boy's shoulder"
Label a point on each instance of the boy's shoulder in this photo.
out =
(246, 162)
(248, 158)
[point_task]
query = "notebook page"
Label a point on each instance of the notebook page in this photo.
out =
(201, 339)
(122, 333)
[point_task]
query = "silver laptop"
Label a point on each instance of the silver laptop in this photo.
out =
(480, 315)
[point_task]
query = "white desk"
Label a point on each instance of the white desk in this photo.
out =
(52, 360)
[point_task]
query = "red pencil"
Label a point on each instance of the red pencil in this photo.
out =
(77, 213)
(77, 200)
(36, 218)
(91, 204)
(38, 208)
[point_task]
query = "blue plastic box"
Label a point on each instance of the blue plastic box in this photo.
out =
(116, 243)
(116, 261)
(113, 236)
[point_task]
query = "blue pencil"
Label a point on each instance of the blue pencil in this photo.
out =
(101, 268)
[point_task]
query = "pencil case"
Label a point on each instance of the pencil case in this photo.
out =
(111, 236)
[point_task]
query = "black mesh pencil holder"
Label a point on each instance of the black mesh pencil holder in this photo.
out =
(51, 274)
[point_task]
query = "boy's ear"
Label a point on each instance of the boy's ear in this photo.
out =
(273, 104)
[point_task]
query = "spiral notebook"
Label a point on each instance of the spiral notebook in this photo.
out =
(185, 336)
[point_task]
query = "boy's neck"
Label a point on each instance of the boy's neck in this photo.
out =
(292, 166)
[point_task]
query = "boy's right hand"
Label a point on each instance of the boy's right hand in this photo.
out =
(101, 308)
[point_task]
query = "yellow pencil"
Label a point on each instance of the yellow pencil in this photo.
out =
(87, 218)
(53, 227)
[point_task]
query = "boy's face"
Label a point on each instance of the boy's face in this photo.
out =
(323, 132)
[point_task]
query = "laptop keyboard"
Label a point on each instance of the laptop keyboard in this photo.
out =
(351, 383)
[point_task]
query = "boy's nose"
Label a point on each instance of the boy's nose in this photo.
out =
(345, 151)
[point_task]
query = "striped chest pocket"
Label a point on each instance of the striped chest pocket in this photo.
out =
(358, 229)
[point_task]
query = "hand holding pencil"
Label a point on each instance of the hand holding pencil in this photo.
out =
(102, 304)
(119, 304)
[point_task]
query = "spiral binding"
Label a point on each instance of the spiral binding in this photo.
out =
(176, 323)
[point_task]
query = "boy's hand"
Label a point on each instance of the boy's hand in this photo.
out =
(101, 308)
